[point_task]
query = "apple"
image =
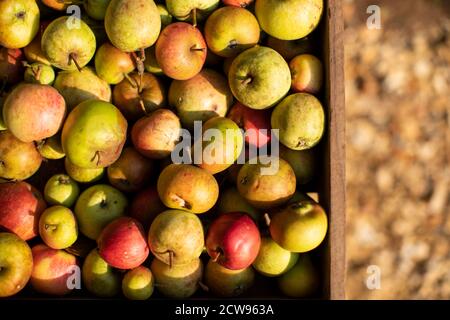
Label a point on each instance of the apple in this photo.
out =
(132, 25)
(166, 17)
(151, 64)
(181, 51)
(231, 30)
(39, 73)
(301, 281)
(307, 74)
(111, 64)
(19, 22)
(273, 260)
(233, 240)
(18, 160)
(51, 148)
(60, 189)
(192, 10)
(303, 162)
(200, 98)
(288, 19)
(98, 277)
(256, 124)
(137, 95)
(176, 237)
(52, 270)
(20, 208)
(230, 200)
(145, 206)
(237, 3)
(156, 135)
(78, 46)
(11, 67)
(94, 134)
(77, 86)
(259, 77)
(138, 284)
(178, 281)
(131, 171)
(300, 226)
(58, 227)
(83, 175)
(122, 243)
(16, 264)
(227, 283)
(290, 49)
(97, 206)
(33, 51)
(96, 9)
(34, 112)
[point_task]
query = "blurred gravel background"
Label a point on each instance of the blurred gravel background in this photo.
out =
(398, 149)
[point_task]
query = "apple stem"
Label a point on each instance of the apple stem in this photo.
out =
(131, 81)
(267, 219)
(170, 258)
(39, 144)
(142, 105)
(214, 259)
(37, 72)
(194, 48)
(72, 57)
(247, 80)
(96, 155)
(203, 286)
(194, 17)
(51, 227)
(140, 65)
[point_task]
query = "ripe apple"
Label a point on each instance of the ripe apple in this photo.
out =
(111, 64)
(201, 98)
(16, 264)
(228, 283)
(11, 67)
(231, 30)
(94, 134)
(290, 49)
(299, 227)
(78, 46)
(58, 227)
(301, 281)
(138, 284)
(98, 277)
(145, 206)
(136, 96)
(39, 73)
(256, 124)
(288, 19)
(307, 74)
(132, 25)
(230, 200)
(131, 171)
(233, 240)
(78, 86)
(19, 22)
(34, 112)
(20, 207)
(181, 51)
(179, 281)
(192, 10)
(259, 77)
(273, 260)
(83, 175)
(52, 270)
(176, 237)
(96, 207)
(18, 160)
(156, 135)
(60, 189)
(122, 243)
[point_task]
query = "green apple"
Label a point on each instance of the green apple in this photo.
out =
(259, 77)
(16, 264)
(300, 119)
(39, 73)
(58, 227)
(51, 148)
(137, 284)
(192, 10)
(19, 22)
(301, 281)
(288, 19)
(60, 189)
(98, 277)
(96, 9)
(97, 206)
(83, 175)
(273, 260)
(231, 30)
(68, 43)
(112, 65)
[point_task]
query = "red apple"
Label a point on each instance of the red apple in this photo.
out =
(237, 3)
(11, 67)
(181, 51)
(53, 270)
(233, 240)
(20, 208)
(256, 124)
(123, 244)
(145, 206)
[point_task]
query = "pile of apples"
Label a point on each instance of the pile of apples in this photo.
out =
(104, 92)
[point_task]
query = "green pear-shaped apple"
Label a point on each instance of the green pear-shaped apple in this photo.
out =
(273, 260)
